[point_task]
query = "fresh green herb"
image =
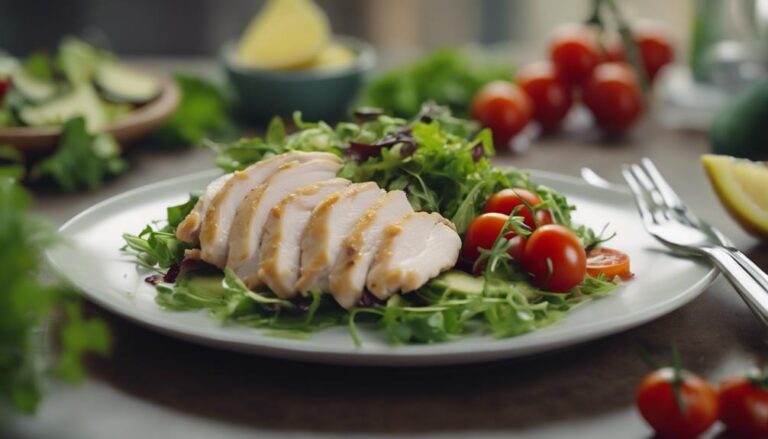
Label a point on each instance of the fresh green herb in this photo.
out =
(204, 112)
(11, 163)
(449, 77)
(158, 246)
(26, 305)
(83, 160)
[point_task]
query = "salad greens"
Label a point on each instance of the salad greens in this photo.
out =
(26, 304)
(448, 76)
(442, 163)
(83, 160)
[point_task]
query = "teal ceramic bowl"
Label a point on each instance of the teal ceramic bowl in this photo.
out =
(320, 94)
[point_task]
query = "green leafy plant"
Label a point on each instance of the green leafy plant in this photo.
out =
(26, 305)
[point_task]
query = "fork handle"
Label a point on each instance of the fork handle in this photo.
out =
(747, 278)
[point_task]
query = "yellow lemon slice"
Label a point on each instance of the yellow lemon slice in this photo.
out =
(285, 34)
(742, 187)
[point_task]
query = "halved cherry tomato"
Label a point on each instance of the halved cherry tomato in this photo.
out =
(574, 50)
(608, 262)
(657, 404)
(550, 93)
(504, 108)
(613, 96)
(482, 233)
(555, 257)
(744, 407)
(506, 200)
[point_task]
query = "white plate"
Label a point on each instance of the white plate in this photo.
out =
(92, 260)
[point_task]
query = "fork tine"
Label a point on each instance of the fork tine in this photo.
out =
(656, 201)
(639, 195)
(671, 200)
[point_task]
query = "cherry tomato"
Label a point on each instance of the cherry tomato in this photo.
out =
(504, 108)
(506, 200)
(574, 50)
(608, 262)
(5, 84)
(550, 94)
(654, 45)
(555, 257)
(659, 407)
(482, 233)
(744, 407)
(613, 96)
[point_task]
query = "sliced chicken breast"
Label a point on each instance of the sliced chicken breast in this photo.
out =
(348, 276)
(328, 225)
(188, 229)
(247, 227)
(413, 250)
(280, 251)
(214, 232)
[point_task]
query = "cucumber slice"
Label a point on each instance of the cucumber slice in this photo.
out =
(460, 282)
(83, 101)
(123, 85)
(32, 89)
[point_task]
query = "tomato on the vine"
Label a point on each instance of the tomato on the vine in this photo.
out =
(654, 46)
(504, 108)
(575, 52)
(659, 406)
(550, 94)
(744, 406)
(613, 96)
(555, 258)
(482, 233)
(608, 262)
(507, 200)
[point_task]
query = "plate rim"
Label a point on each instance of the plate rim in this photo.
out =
(304, 350)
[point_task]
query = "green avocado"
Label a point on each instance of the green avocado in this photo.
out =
(741, 128)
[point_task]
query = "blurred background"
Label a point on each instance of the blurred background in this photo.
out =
(398, 28)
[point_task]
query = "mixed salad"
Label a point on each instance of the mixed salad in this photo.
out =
(523, 263)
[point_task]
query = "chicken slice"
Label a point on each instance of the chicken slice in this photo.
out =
(247, 227)
(188, 229)
(328, 225)
(347, 278)
(414, 249)
(214, 232)
(280, 251)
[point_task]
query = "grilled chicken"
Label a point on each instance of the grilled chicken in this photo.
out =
(348, 276)
(413, 250)
(214, 233)
(189, 228)
(280, 251)
(328, 225)
(247, 227)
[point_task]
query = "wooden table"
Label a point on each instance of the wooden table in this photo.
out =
(155, 386)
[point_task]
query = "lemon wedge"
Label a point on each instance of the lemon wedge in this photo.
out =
(285, 34)
(742, 187)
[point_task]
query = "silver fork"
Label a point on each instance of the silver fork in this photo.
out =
(668, 220)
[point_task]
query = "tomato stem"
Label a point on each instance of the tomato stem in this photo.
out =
(677, 379)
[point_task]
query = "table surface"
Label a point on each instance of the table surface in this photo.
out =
(155, 386)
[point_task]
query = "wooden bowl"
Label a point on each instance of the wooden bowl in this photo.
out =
(142, 120)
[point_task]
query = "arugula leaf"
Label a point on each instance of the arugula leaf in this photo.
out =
(449, 77)
(159, 246)
(26, 304)
(203, 113)
(83, 160)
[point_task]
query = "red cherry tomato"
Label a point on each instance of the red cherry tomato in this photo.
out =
(5, 84)
(613, 96)
(504, 108)
(653, 44)
(655, 50)
(575, 52)
(506, 200)
(744, 407)
(555, 257)
(482, 233)
(657, 404)
(550, 94)
(608, 262)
